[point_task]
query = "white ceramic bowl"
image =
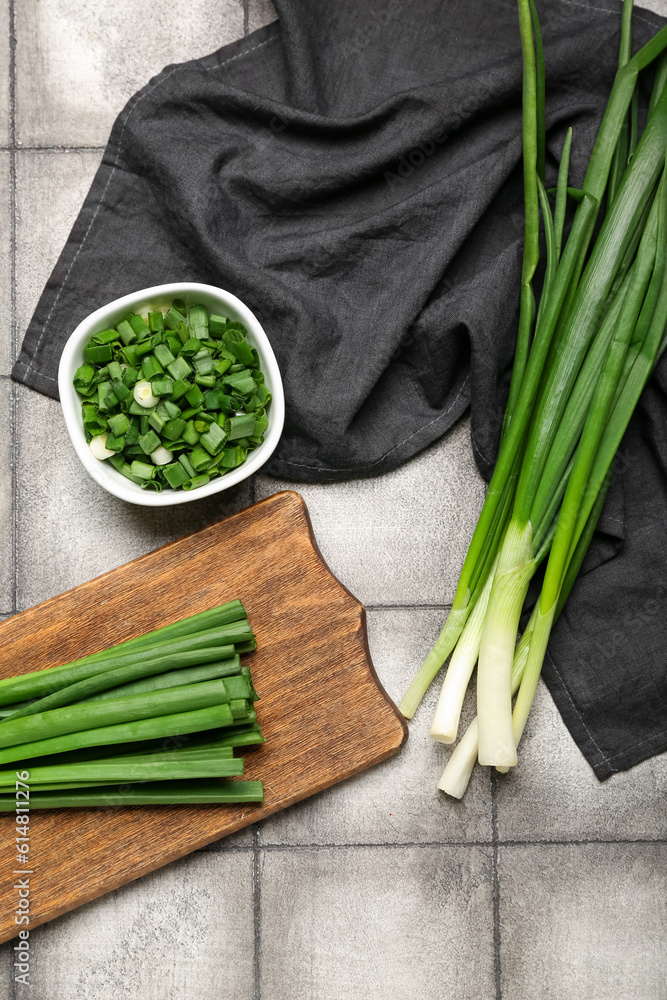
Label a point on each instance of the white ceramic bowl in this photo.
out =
(218, 302)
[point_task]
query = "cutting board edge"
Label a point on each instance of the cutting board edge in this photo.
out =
(363, 629)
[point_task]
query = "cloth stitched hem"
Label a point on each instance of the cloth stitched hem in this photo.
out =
(600, 762)
(441, 416)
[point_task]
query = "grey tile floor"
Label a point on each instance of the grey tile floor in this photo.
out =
(541, 884)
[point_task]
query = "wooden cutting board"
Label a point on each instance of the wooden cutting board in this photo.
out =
(323, 712)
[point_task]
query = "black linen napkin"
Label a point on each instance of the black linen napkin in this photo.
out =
(353, 173)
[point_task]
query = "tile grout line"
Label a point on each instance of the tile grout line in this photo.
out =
(497, 970)
(407, 607)
(369, 607)
(13, 394)
(15, 147)
(256, 914)
(424, 845)
(246, 18)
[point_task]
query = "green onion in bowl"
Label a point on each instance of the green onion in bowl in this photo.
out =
(172, 399)
(171, 394)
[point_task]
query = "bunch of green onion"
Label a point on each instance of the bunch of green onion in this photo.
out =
(583, 356)
(153, 720)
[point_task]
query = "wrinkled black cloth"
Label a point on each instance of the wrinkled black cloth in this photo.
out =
(353, 173)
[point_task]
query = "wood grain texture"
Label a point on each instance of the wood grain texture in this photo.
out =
(323, 712)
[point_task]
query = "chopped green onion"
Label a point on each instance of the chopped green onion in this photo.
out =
(240, 426)
(175, 475)
(173, 318)
(83, 376)
(196, 482)
(148, 443)
(151, 368)
(156, 322)
(199, 458)
(173, 429)
(176, 367)
(163, 354)
(98, 447)
(212, 440)
(95, 354)
(179, 368)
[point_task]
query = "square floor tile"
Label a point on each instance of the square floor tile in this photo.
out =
(7, 971)
(70, 529)
(260, 12)
(400, 538)
(396, 801)
(184, 931)
(657, 6)
(7, 539)
(79, 61)
(4, 74)
(553, 793)
(51, 188)
(583, 921)
(391, 923)
(6, 346)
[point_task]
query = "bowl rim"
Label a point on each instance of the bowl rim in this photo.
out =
(70, 400)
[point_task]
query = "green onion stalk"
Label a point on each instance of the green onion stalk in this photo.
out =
(458, 771)
(582, 359)
(600, 439)
(164, 711)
